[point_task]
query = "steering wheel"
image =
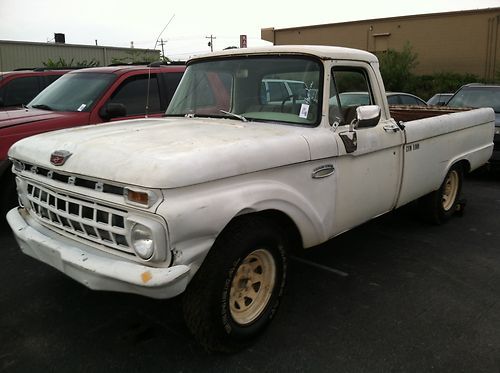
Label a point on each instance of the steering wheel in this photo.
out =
(292, 96)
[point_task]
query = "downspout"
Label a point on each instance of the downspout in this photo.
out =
(487, 63)
(496, 48)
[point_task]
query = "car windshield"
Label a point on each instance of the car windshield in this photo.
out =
(477, 97)
(277, 89)
(73, 92)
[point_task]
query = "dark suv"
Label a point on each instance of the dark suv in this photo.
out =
(86, 96)
(481, 95)
(19, 87)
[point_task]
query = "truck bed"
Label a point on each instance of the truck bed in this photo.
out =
(405, 113)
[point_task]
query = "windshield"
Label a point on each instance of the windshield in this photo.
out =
(278, 89)
(477, 97)
(73, 92)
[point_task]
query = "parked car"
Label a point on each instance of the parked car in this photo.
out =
(277, 90)
(477, 95)
(19, 87)
(401, 98)
(439, 99)
(86, 96)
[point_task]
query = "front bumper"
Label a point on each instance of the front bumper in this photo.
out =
(96, 270)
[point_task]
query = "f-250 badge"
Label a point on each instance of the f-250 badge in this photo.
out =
(410, 148)
(59, 157)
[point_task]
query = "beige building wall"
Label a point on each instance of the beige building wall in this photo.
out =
(462, 42)
(19, 54)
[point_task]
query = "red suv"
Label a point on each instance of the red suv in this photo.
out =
(19, 87)
(86, 96)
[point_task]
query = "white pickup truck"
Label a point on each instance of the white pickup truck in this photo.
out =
(209, 200)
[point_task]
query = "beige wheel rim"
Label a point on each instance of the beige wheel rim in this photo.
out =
(252, 286)
(450, 190)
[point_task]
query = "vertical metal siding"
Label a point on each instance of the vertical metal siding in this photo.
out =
(15, 55)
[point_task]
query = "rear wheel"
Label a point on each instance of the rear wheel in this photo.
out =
(439, 206)
(237, 290)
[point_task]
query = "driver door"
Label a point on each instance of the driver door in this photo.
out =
(368, 174)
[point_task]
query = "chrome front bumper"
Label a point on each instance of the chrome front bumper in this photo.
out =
(94, 269)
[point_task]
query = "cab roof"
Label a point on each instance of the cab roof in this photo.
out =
(320, 51)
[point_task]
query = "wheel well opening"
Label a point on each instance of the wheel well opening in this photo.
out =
(464, 165)
(279, 219)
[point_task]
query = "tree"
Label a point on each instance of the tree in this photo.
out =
(62, 63)
(396, 68)
(135, 57)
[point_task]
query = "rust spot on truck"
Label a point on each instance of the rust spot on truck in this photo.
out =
(146, 277)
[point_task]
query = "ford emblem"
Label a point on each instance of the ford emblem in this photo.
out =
(59, 157)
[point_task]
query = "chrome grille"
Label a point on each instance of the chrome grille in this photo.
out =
(67, 178)
(79, 217)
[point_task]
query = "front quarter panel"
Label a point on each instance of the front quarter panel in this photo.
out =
(197, 214)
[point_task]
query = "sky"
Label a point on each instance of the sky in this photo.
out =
(118, 23)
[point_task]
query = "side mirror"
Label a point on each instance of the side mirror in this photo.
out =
(112, 110)
(367, 116)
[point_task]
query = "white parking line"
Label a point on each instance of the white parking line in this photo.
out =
(320, 266)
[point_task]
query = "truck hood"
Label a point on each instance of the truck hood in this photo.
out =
(9, 118)
(168, 152)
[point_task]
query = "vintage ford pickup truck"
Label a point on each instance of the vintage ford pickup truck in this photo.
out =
(209, 200)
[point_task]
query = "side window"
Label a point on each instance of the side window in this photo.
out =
(349, 88)
(172, 80)
(21, 91)
(133, 94)
(393, 100)
(49, 79)
(410, 100)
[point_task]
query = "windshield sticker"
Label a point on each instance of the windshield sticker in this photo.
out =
(304, 110)
(82, 106)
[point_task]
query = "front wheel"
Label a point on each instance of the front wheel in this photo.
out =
(439, 206)
(237, 290)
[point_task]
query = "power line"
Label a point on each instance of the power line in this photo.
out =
(162, 43)
(211, 42)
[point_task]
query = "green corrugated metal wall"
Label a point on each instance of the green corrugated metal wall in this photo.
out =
(18, 54)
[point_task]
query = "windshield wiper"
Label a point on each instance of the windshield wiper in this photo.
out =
(43, 107)
(240, 117)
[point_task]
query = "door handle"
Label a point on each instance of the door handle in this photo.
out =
(323, 171)
(391, 128)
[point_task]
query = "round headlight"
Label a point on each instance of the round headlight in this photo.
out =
(142, 241)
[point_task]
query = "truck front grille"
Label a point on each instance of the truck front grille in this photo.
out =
(67, 178)
(77, 217)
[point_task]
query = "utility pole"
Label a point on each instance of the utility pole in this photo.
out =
(162, 43)
(211, 42)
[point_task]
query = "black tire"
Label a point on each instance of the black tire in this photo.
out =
(439, 206)
(226, 305)
(8, 194)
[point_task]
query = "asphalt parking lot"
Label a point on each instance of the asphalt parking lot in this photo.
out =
(395, 294)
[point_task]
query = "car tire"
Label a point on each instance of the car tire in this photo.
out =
(237, 290)
(439, 206)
